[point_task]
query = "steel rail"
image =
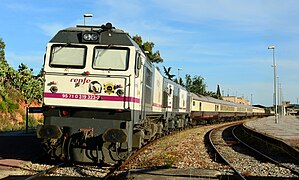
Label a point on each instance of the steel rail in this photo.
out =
(264, 155)
(211, 132)
(47, 171)
(121, 166)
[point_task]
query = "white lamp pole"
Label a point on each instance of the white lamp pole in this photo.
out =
(281, 100)
(278, 98)
(85, 16)
(179, 69)
(275, 87)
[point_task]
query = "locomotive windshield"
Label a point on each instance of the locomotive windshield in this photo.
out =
(111, 59)
(68, 56)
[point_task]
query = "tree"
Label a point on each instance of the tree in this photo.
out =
(3, 63)
(2, 47)
(157, 57)
(188, 82)
(196, 84)
(218, 93)
(210, 93)
(30, 86)
(148, 47)
(22, 80)
(167, 73)
(181, 82)
(138, 40)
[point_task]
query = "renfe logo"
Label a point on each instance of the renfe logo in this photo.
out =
(77, 80)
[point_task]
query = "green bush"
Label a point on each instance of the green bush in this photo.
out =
(8, 106)
(3, 106)
(12, 106)
(32, 122)
(17, 86)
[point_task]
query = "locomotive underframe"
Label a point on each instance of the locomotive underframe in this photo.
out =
(103, 136)
(88, 135)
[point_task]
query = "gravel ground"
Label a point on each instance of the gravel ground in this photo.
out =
(73, 171)
(183, 150)
(245, 161)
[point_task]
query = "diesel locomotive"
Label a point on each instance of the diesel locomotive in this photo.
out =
(103, 98)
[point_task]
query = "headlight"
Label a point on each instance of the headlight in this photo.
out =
(53, 89)
(120, 92)
(90, 37)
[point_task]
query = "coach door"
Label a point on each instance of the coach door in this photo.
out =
(147, 93)
(170, 97)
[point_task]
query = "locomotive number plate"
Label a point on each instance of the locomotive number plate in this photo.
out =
(81, 96)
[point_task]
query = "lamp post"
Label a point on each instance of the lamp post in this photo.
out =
(85, 16)
(281, 100)
(278, 98)
(274, 93)
(179, 69)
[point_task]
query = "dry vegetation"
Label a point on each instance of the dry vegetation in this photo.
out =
(183, 150)
(15, 120)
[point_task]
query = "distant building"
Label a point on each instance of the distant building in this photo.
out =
(291, 109)
(236, 99)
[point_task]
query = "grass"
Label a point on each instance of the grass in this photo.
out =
(169, 159)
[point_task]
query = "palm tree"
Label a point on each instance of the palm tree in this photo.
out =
(167, 73)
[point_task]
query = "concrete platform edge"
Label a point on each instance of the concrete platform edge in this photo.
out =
(285, 146)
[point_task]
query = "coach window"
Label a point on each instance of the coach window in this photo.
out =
(148, 78)
(68, 56)
(111, 59)
(148, 85)
(137, 64)
(169, 90)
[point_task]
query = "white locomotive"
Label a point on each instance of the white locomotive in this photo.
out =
(103, 98)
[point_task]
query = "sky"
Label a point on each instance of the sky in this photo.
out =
(224, 41)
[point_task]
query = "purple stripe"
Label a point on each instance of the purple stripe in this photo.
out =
(90, 97)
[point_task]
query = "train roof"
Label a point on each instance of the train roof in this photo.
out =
(107, 35)
(216, 101)
(174, 83)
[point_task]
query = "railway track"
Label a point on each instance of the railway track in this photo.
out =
(227, 140)
(243, 160)
(46, 171)
(280, 158)
(122, 166)
(85, 170)
(68, 170)
(216, 143)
